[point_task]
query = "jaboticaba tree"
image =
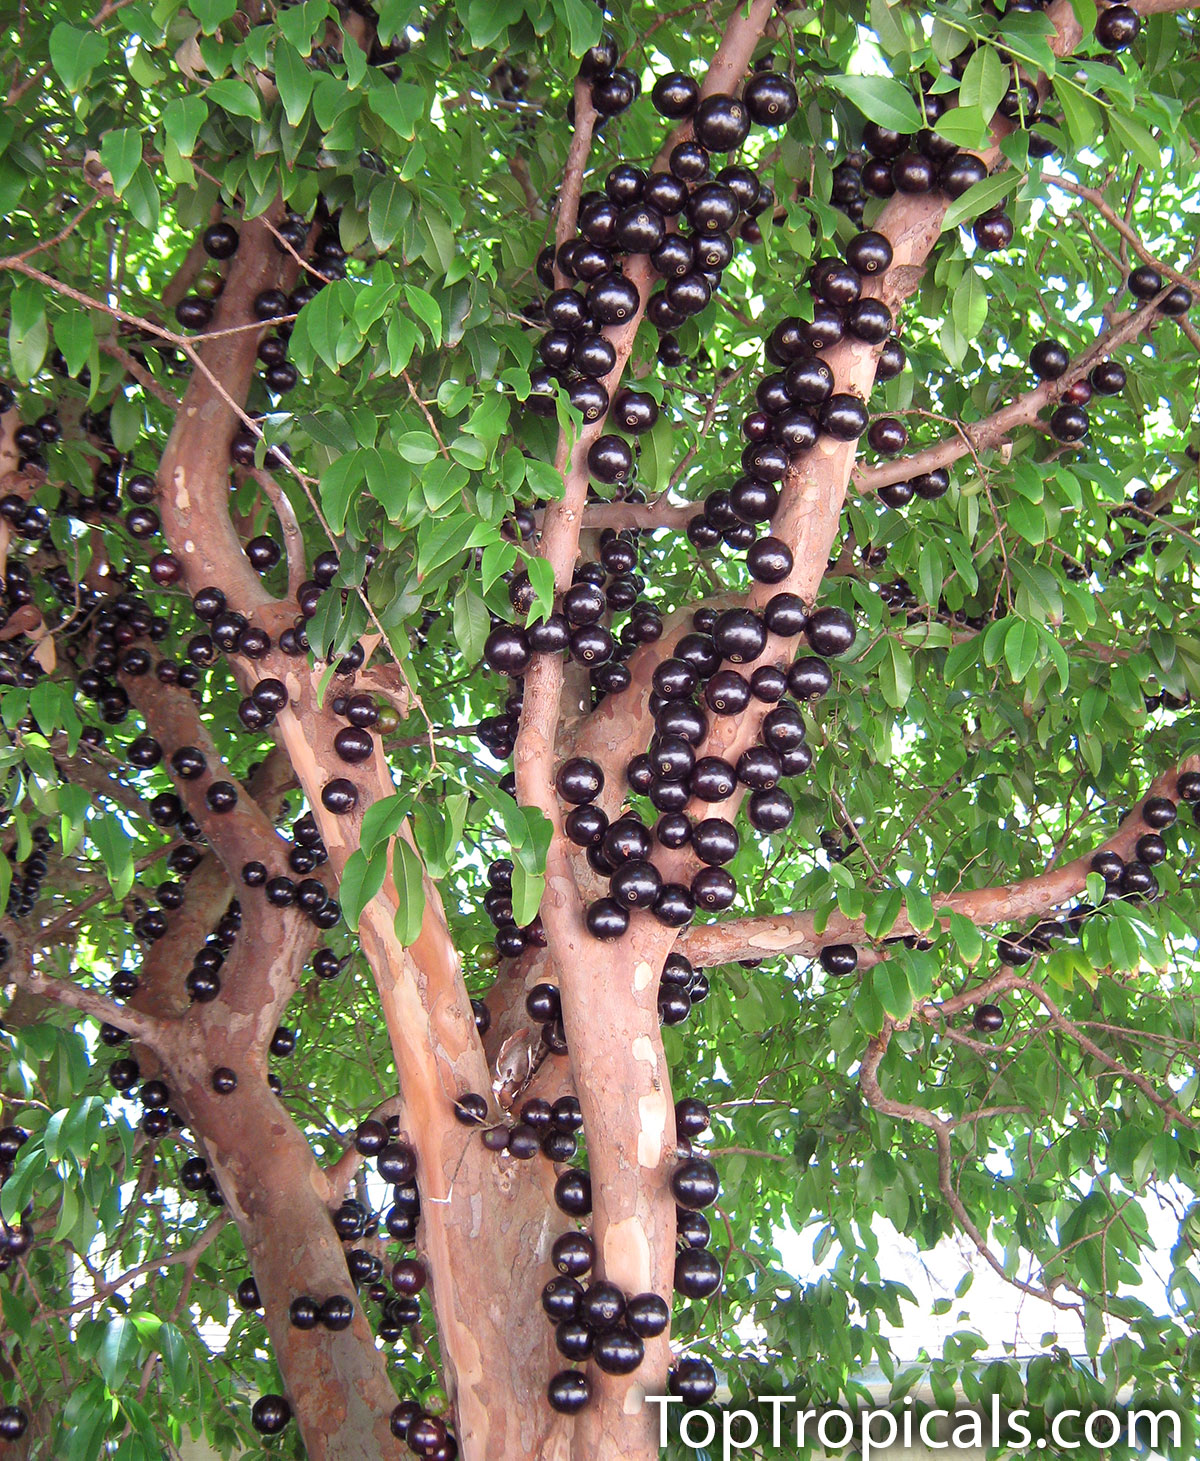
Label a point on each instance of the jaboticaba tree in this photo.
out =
(597, 660)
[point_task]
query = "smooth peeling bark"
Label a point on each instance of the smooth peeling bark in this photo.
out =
(487, 1221)
(337, 1384)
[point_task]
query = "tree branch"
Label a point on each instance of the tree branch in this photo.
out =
(795, 933)
(973, 438)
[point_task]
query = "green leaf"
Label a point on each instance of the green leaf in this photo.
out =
(883, 912)
(28, 334)
(238, 98)
(338, 484)
(427, 310)
(891, 989)
(410, 890)
(75, 335)
(177, 1362)
(919, 907)
(361, 880)
(1136, 139)
(75, 54)
(1021, 646)
(983, 84)
(121, 154)
(118, 1350)
(964, 126)
(896, 676)
(886, 23)
(967, 938)
(880, 99)
(970, 304)
(979, 198)
(1082, 116)
(142, 197)
(400, 106)
(584, 23)
(18, 1188)
(527, 890)
(382, 820)
(182, 119)
(300, 23)
(471, 624)
(114, 845)
(211, 13)
(294, 80)
(390, 205)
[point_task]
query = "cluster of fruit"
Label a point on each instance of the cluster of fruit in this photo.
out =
(604, 1325)
(16, 1237)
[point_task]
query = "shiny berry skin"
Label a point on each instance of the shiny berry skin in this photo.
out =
(769, 560)
(713, 889)
(869, 320)
(697, 1273)
(647, 1315)
(675, 95)
(988, 1019)
(1144, 282)
(1158, 812)
(618, 1351)
(337, 1313)
(339, 796)
(606, 919)
(691, 1117)
(1187, 788)
(561, 1298)
(770, 99)
(770, 810)
(635, 885)
(993, 231)
(1049, 360)
(426, 1435)
(13, 1423)
(720, 123)
(693, 1379)
(759, 768)
(932, 485)
(612, 299)
(270, 1414)
(913, 172)
(674, 905)
(830, 631)
(869, 253)
(809, 678)
(727, 693)
(610, 459)
(506, 650)
(839, 958)
(1069, 424)
(1117, 27)
(573, 1193)
(887, 436)
(844, 417)
(1107, 378)
(573, 1254)
(568, 1392)
(579, 781)
(1176, 302)
(785, 614)
(1013, 952)
(712, 208)
(695, 1183)
(960, 172)
(739, 636)
(471, 1109)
